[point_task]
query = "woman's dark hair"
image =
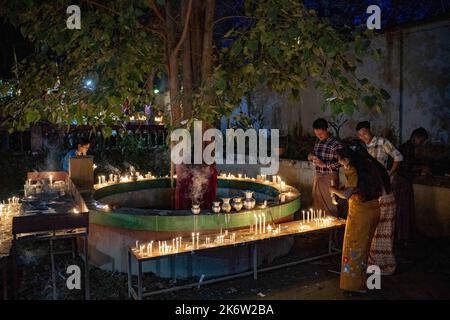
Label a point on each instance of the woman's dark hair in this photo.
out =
(372, 176)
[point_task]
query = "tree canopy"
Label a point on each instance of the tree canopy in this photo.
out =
(210, 56)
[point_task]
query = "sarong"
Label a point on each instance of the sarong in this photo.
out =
(361, 223)
(382, 248)
(321, 192)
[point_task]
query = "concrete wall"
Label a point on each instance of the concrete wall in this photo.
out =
(432, 202)
(432, 210)
(424, 71)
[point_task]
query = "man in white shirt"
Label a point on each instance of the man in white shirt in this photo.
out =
(378, 147)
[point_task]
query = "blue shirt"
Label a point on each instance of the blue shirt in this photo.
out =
(70, 154)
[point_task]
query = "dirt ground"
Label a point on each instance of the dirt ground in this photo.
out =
(423, 273)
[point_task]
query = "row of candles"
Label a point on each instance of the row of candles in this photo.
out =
(114, 178)
(312, 215)
(10, 206)
(259, 226)
(174, 246)
(317, 217)
(50, 181)
(40, 186)
(276, 180)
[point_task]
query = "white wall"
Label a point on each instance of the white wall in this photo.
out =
(426, 89)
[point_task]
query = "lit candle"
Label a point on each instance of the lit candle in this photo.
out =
(99, 180)
(260, 224)
(256, 223)
(51, 181)
(303, 213)
(193, 240)
(137, 244)
(150, 253)
(198, 235)
(264, 225)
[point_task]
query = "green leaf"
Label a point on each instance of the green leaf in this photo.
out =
(252, 45)
(236, 49)
(107, 132)
(385, 94)
(221, 84)
(248, 69)
(370, 101)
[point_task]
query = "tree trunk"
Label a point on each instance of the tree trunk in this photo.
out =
(208, 41)
(187, 68)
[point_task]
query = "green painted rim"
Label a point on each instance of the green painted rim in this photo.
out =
(185, 223)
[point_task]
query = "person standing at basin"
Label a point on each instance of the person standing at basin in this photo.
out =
(364, 185)
(378, 147)
(403, 185)
(81, 149)
(324, 158)
(382, 149)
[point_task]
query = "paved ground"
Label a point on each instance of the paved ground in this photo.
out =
(423, 273)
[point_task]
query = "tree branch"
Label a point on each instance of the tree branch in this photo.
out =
(103, 7)
(146, 28)
(155, 9)
(185, 28)
(231, 17)
(158, 32)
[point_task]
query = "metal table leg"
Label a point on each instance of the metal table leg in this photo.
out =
(330, 241)
(52, 260)
(255, 261)
(14, 268)
(86, 268)
(5, 279)
(140, 289)
(129, 273)
(174, 268)
(73, 249)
